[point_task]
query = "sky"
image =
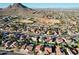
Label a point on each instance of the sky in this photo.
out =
(45, 5)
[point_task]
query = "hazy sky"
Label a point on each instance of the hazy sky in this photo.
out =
(45, 5)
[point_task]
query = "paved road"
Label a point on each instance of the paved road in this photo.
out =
(3, 52)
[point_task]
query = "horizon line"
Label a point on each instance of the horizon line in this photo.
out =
(46, 5)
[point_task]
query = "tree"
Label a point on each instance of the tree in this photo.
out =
(0, 38)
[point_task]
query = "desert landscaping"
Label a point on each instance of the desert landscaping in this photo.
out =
(28, 31)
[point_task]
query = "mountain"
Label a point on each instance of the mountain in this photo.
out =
(16, 9)
(18, 6)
